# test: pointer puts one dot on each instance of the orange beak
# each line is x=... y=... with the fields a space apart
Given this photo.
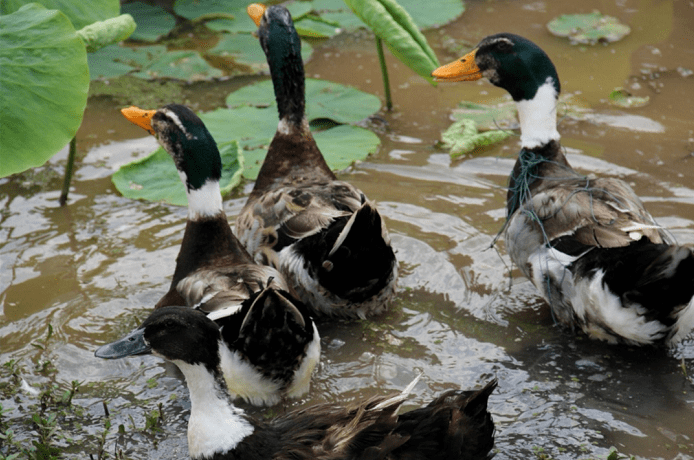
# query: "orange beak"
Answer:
x=142 y=118
x=463 y=69
x=256 y=11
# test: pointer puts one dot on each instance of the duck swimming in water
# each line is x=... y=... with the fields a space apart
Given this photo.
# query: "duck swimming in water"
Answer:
x=322 y=234
x=587 y=244
x=271 y=344
x=455 y=425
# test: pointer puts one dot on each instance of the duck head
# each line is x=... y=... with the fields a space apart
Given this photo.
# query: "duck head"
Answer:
x=524 y=70
x=185 y=138
x=177 y=334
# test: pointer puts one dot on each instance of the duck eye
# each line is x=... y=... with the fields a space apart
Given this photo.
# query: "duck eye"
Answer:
x=504 y=45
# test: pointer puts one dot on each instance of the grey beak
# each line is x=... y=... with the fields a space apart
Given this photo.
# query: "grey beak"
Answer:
x=132 y=344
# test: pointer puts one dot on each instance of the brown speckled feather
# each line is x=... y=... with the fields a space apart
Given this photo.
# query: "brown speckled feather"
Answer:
x=454 y=426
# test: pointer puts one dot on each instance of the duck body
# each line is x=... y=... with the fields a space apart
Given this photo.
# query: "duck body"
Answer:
x=322 y=234
x=271 y=344
x=588 y=244
x=456 y=425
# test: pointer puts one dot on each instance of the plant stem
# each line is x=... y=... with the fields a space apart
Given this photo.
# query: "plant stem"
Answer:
x=384 y=72
x=68 y=171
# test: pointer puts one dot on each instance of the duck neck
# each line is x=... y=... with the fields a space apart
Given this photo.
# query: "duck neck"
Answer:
x=208 y=236
x=287 y=70
x=215 y=426
x=538 y=117
x=203 y=202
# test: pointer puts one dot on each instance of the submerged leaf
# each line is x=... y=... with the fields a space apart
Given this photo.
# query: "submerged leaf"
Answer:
x=155 y=178
x=43 y=82
x=588 y=28
x=462 y=137
x=623 y=98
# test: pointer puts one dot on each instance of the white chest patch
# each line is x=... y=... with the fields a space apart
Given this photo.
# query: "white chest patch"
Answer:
x=538 y=117
x=215 y=425
x=204 y=202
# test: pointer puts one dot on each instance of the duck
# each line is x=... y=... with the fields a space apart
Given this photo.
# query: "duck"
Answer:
x=323 y=234
x=271 y=344
x=587 y=243
x=454 y=425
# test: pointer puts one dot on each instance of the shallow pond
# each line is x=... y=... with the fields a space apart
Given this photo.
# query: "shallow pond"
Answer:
x=74 y=278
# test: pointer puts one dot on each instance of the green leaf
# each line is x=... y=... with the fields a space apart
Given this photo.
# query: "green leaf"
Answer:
x=43 y=86
x=588 y=28
x=324 y=99
x=314 y=27
x=81 y=13
x=335 y=12
x=103 y=33
x=300 y=9
x=427 y=17
x=116 y=60
x=390 y=22
x=253 y=120
x=462 y=137
x=180 y=65
x=623 y=98
x=341 y=147
x=155 y=178
x=152 y=21
x=193 y=9
x=245 y=50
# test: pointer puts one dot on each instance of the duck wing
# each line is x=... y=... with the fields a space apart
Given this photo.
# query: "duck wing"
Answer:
x=213 y=289
x=289 y=213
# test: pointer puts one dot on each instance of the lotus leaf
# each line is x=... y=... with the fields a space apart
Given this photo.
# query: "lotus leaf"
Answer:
x=180 y=65
x=245 y=50
x=43 y=86
x=194 y=9
x=81 y=13
x=116 y=60
x=588 y=28
x=152 y=21
x=324 y=99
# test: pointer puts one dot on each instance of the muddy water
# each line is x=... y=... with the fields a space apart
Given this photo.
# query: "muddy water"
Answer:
x=463 y=315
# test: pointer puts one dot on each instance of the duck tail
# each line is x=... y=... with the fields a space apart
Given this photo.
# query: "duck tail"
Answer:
x=671 y=272
x=361 y=261
x=456 y=424
x=473 y=424
x=655 y=280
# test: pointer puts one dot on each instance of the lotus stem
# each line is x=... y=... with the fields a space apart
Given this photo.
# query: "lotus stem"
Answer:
x=384 y=72
x=68 y=171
